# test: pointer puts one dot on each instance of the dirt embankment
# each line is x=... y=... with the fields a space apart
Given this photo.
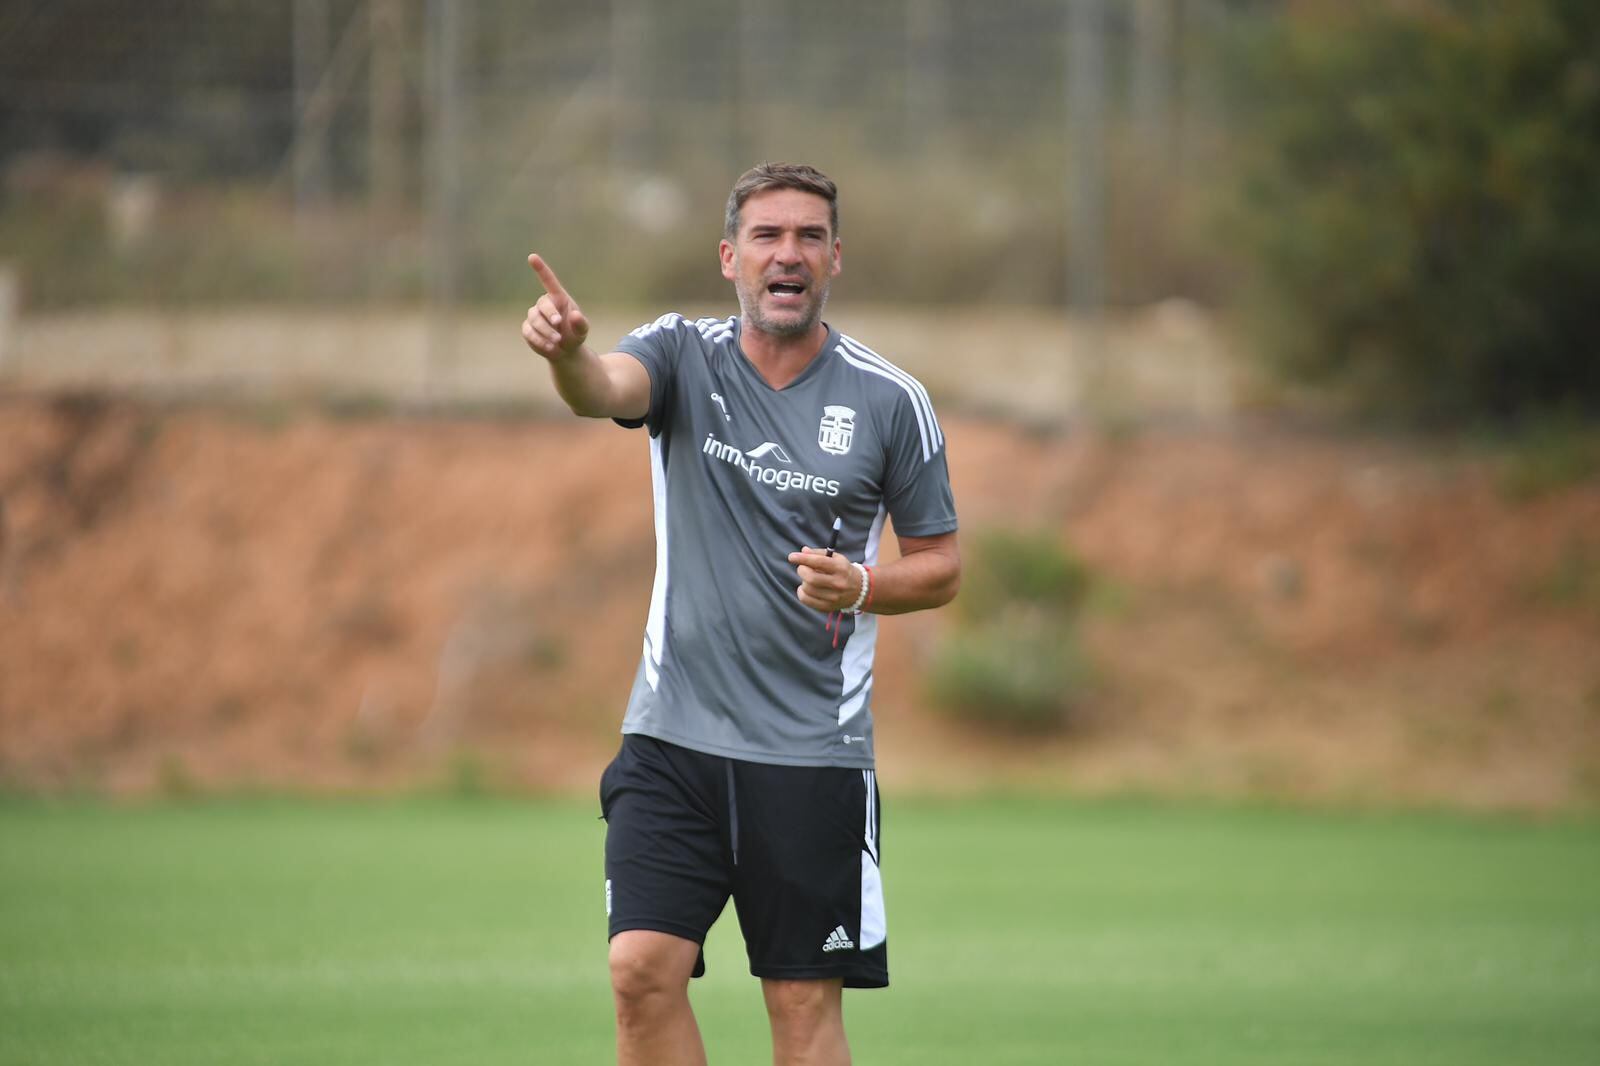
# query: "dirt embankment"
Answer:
x=224 y=597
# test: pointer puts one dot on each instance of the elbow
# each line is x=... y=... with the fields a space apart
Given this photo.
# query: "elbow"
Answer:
x=948 y=586
x=952 y=586
x=947 y=576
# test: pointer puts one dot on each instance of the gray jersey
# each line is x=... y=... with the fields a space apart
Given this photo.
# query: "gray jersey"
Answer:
x=744 y=474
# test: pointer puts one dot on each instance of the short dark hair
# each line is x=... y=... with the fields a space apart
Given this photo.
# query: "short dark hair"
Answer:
x=766 y=176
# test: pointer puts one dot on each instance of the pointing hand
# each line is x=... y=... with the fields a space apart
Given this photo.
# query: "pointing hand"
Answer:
x=555 y=326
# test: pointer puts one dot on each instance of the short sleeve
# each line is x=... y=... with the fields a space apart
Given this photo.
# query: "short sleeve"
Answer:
x=917 y=479
x=656 y=345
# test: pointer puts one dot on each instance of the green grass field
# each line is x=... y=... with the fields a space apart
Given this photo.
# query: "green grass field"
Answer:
x=442 y=931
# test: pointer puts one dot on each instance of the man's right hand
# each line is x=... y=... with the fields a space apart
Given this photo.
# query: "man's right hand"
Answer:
x=555 y=326
x=610 y=385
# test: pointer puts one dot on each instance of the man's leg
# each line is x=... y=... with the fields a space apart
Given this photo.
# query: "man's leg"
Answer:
x=807 y=1022
x=650 y=983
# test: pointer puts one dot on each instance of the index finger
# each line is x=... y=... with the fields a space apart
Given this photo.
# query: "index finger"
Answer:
x=547 y=277
x=817 y=560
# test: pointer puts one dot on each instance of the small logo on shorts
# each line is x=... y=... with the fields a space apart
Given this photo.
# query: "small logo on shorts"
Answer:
x=608 y=897
x=838 y=940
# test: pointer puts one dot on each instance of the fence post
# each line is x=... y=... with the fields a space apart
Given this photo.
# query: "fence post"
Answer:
x=311 y=44
x=444 y=187
x=9 y=290
x=386 y=89
x=1086 y=221
x=927 y=74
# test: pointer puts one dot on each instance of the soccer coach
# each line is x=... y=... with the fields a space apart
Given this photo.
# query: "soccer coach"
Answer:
x=778 y=446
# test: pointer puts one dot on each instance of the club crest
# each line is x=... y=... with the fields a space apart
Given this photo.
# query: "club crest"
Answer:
x=837 y=430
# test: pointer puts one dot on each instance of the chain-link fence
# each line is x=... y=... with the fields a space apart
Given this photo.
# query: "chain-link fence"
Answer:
x=1032 y=151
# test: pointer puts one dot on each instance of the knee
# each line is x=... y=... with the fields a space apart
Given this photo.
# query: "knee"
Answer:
x=801 y=1004
x=641 y=981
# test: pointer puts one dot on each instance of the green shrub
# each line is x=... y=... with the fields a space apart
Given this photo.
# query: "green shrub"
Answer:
x=467 y=776
x=1015 y=659
x=1009 y=566
x=174 y=779
x=1552 y=454
x=1021 y=677
x=1572 y=581
x=1419 y=203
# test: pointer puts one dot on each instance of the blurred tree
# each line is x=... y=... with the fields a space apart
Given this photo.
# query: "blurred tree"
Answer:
x=1421 y=202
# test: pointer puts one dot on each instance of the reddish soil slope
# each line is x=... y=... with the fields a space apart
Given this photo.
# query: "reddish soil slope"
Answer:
x=224 y=597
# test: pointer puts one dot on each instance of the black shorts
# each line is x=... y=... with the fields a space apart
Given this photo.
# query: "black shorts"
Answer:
x=796 y=847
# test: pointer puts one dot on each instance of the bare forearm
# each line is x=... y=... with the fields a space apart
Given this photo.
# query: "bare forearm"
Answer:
x=916 y=582
x=612 y=385
x=583 y=384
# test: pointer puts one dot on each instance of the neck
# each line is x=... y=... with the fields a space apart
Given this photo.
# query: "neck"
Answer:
x=781 y=359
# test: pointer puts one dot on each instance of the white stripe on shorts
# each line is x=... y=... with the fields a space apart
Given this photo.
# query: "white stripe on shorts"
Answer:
x=874 y=923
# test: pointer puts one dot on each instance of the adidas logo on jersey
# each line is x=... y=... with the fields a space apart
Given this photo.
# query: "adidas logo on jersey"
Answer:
x=838 y=940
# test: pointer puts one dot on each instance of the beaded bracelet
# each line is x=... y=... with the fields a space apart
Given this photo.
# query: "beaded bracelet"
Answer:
x=866 y=588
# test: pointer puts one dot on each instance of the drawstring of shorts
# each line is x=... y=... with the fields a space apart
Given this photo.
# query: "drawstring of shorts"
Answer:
x=733 y=814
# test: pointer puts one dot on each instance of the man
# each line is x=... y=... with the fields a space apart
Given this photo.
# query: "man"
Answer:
x=746 y=767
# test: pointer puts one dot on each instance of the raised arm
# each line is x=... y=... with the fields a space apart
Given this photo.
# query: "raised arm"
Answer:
x=609 y=385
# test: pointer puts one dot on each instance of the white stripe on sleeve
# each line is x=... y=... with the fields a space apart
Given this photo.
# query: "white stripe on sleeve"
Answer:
x=871 y=368
x=918 y=393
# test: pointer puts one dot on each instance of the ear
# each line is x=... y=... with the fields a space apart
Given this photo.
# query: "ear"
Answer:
x=726 y=254
x=838 y=263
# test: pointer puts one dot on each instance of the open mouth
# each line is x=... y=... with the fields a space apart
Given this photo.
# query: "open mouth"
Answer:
x=786 y=288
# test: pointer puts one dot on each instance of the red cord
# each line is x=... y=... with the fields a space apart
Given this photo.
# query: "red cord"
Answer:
x=836 y=618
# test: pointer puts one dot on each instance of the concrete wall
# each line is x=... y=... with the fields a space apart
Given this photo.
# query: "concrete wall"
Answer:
x=1161 y=361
